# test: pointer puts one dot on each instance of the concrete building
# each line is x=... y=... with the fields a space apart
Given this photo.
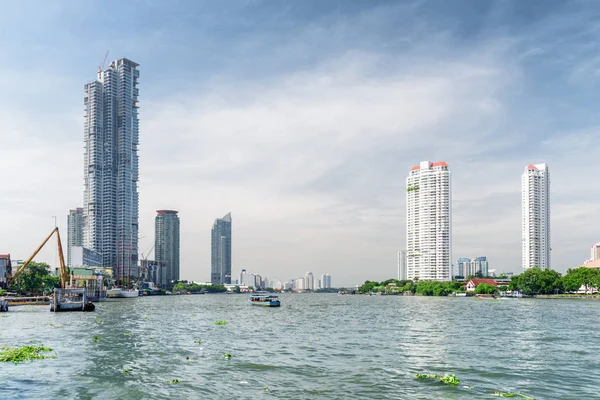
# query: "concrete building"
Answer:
x=111 y=170
x=325 y=281
x=535 y=213
x=82 y=257
x=166 y=246
x=5 y=270
x=74 y=231
x=402 y=265
x=429 y=222
x=309 y=281
x=466 y=267
x=595 y=253
x=220 y=272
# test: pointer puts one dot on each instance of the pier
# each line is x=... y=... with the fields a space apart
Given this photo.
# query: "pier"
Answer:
x=71 y=300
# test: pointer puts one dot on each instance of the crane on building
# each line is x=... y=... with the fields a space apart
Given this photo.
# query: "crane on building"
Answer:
x=101 y=66
x=64 y=276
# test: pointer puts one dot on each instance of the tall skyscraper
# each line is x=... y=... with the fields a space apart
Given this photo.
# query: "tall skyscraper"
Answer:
x=111 y=134
x=535 y=202
x=74 y=231
x=429 y=222
x=220 y=269
x=325 y=281
x=309 y=281
x=402 y=265
x=166 y=245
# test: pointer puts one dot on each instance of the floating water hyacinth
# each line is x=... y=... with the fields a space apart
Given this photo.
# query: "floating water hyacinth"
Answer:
x=126 y=371
x=227 y=356
x=198 y=341
x=512 y=394
x=96 y=338
x=99 y=320
x=221 y=322
x=446 y=379
x=25 y=353
x=174 y=381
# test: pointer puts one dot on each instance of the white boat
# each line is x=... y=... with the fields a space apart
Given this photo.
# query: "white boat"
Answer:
x=122 y=293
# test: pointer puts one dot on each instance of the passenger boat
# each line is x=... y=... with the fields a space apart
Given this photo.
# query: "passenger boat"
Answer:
x=122 y=293
x=265 y=300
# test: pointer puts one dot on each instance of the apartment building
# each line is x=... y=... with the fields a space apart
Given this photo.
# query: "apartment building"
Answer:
x=535 y=203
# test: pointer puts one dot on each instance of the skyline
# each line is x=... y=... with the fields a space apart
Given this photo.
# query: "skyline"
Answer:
x=304 y=124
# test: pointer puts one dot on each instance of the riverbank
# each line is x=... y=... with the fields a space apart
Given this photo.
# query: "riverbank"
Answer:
x=568 y=296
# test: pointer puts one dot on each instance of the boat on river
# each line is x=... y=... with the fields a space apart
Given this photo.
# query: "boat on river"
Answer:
x=122 y=293
x=265 y=300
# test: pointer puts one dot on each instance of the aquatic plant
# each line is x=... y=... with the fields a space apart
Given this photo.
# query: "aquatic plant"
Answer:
x=193 y=315
x=24 y=353
x=512 y=394
x=127 y=334
x=446 y=379
x=96 y=338
x=174 y=381
x=126 y=371
x=223 y=322
x=198 y=341
x=99 y=320
x=227 y=356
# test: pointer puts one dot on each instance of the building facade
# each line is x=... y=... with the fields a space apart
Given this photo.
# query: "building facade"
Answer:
x=402 y=265
x=309 y=281
x=466 y=267
x=429 y=222
x=111 y=169
x=74 y=231
x=325 y=281
x=5 y=270
x=595 y=253
x=166 y=246
x=220 y=272
x=535 y=212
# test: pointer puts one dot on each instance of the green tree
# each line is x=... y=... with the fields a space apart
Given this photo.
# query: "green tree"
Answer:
x=578 y=277
x=485 y=288
x=33 y=279
x=237 y=289
x=368 y=287
x=537 y=281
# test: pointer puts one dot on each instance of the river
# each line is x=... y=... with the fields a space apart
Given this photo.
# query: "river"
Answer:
x=315 y=346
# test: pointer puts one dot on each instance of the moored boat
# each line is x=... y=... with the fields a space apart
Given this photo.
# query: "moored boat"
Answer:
x=122 y=293
x=265 y=300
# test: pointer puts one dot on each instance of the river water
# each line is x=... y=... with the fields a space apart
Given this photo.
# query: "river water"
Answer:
x=315 y=346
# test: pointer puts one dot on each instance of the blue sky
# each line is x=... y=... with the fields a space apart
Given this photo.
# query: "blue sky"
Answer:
x=303 y=118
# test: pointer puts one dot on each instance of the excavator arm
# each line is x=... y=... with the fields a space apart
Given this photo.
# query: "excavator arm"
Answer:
x=64 y=276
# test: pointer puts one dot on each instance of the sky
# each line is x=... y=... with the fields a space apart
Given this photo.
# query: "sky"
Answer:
x=303 y=118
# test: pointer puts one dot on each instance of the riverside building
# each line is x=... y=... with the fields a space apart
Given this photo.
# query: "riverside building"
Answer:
x=111 y=172
x=74 y=232
x=220 y=270
x=535 y=212
x=167 y=246
x=402 y=265
x=469 y=267
x=429 y=222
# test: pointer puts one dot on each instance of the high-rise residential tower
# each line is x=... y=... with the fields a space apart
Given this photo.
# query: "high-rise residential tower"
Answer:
x=166 y=246
x=429 y=222
x=402 y=265
x=309 y=281
x=535 y=212
x=111 y=134
x=74 y=231
x=325 y=281
x=220 y=266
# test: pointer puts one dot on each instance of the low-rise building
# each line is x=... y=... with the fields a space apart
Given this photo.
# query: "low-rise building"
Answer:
x=474 y=282
x=5 y=270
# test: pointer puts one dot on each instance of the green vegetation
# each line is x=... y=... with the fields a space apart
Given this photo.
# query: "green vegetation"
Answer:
x=174 y=381
x=2 y=292
x=37 y=280
x=412 y=188
x=126 y=371
x=237 y=289
x=538 y=281
x=96 y=338
x=223 y=322
x=194 y=287
x=446 y=379
x=485 y=288
x=198 y=341
x=227 y=356
x=512 y=394
x=25 y=353
x=424 y=288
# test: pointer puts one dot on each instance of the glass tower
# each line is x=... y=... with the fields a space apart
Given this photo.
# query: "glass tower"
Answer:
x=220 y=271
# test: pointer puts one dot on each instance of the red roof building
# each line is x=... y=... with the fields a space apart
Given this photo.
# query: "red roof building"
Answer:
x=474 y=282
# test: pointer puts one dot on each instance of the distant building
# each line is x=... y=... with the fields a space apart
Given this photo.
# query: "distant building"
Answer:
x=5 y=270
x=220 y=272
x=535 y=214
x=299 y=284
x=595 y=252
x=309 y=281
x=167 y=246
x=151 y=271
x=325 y=281
x=429 y=222
x=470 y=267
x=82 y=257
x=74 y=231
x=402 y=265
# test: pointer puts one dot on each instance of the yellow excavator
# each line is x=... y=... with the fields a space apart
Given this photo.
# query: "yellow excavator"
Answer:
x=64 y=276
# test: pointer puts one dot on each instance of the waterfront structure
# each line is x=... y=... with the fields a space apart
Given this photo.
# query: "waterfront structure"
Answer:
x=166 y=246
x=474 y=282
x=429 y=222
x=470 y=267
x=220 y=272
x=402 y=265
x=5 y=270
x=309 y=281
x=111 y=168
x=535 y=213
x=74 y=231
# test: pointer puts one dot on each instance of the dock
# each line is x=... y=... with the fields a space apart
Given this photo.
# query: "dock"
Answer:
x=71 y=300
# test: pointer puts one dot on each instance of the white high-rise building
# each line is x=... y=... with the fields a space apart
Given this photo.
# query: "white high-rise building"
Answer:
x=111 y=169
x=535 y=201
x=309 y=281
x=429 y=222
x=402 y=265
x=325 y=281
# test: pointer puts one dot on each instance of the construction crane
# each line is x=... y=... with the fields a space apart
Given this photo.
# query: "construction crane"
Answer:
x=64 y=276
x=101 y=67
